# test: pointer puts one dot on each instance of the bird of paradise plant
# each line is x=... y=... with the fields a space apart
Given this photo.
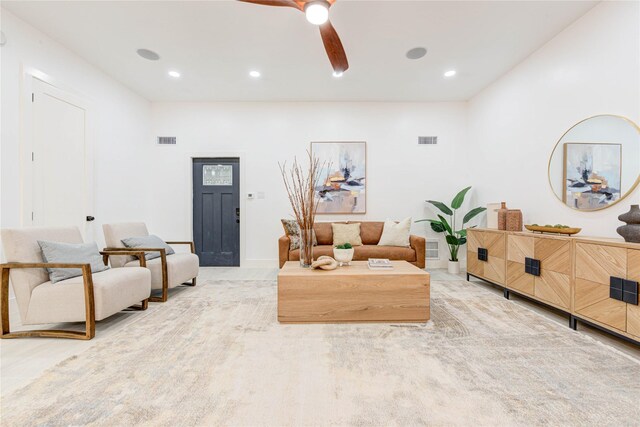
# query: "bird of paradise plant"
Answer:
x=455 y=238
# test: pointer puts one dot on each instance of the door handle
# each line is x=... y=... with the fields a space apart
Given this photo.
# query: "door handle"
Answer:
x=90 y=218
x=237 y=215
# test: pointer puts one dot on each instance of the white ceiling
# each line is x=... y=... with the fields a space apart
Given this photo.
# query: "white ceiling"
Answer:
x=214 y=44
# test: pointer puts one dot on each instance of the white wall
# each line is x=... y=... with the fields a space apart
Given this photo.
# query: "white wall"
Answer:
x=400 y=174
x=591 y=68
x=118 y=123
x=499 y=142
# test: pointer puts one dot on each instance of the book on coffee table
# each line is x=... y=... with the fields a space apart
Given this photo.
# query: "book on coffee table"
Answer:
x=379 y=264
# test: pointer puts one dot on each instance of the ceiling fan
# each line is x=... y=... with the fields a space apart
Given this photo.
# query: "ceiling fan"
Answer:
x=317 y=12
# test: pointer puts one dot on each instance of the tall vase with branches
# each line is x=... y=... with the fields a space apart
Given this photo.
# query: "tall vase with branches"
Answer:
x=300 y=182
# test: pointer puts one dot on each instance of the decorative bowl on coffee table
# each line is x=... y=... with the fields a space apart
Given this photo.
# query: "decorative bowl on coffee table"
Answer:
x=343 y=256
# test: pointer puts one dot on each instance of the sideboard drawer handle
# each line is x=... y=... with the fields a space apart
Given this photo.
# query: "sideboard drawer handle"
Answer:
x=532 y=266
x=615 y=288
x=483 y=254
x=630 y=292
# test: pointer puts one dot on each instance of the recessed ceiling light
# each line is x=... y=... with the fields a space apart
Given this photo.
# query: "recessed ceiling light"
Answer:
x=416 y=53
x=174 y=74
x=450 y=73
x=317 y=12
x=255 y=74
x=148 y=54
x=338 y=73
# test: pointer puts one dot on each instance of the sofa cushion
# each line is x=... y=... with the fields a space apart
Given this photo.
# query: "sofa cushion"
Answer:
x=346 y=233
x=371 y=231
x=363 y=253
x=113 y=290
x=396 y=233
x=292 y=231
x=181 y=268
x=324 y=233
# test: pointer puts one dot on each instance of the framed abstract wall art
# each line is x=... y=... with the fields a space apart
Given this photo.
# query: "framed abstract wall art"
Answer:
x=344 y=178
x=592 y=174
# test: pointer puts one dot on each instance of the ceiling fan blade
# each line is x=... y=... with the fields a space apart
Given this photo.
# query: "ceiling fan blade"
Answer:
x=281 y=3
x=334 y=48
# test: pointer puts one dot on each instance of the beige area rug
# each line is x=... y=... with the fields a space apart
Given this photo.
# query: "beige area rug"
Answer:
x=215 y=355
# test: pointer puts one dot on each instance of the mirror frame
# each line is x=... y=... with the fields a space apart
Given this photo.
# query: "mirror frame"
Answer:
x=555 y=147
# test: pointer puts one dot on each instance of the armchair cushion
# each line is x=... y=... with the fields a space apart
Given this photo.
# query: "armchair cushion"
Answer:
x=113 y=290
x=79 y=253
x=181 y=268
x=113 y=235
x=151 y=241
x=21 y=245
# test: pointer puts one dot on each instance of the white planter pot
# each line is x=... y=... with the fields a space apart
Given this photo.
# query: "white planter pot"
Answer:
x=343 y=256
x=454 y=267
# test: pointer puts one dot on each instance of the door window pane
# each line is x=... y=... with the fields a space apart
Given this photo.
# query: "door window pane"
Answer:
x=217 y=175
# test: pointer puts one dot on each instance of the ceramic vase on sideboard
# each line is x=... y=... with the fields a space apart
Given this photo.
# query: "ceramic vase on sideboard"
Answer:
x=502 y=216
x=631 y=231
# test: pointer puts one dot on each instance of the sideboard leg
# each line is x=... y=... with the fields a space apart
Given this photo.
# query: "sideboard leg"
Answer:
x=467 y=277
x=506 y=293
x=573 y=323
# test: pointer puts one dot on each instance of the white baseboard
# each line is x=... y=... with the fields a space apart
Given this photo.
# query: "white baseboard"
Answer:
x=444 y=263
x=259 y=263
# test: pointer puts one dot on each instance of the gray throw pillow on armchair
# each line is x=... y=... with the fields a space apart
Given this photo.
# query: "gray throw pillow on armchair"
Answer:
x=71 y=253
x=151 y=241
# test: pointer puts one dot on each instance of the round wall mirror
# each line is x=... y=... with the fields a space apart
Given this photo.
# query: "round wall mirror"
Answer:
x=596 y=163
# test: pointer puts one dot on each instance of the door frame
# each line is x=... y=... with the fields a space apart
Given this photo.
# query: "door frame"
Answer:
x=26 y=143
x=241 y=156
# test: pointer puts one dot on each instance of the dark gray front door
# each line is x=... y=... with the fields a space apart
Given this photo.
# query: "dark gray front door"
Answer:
x=216 y=211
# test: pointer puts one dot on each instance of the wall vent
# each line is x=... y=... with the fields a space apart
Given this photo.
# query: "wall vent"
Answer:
x=432 y=249
x=167 y=140
x=427 y=140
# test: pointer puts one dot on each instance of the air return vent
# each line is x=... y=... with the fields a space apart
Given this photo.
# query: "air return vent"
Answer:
x=432 y=249
x=167 y=140
x=427 y=140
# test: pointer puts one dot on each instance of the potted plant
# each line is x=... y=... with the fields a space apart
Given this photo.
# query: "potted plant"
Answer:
x=343 y=253
x=454 y=237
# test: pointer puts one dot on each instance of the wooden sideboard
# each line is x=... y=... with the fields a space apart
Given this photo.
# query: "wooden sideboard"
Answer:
x=592 y=280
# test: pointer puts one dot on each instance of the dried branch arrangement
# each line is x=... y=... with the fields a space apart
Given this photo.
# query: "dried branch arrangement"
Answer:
x=300 y=183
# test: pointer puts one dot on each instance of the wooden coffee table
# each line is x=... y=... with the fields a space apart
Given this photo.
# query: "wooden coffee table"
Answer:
x=353 y=294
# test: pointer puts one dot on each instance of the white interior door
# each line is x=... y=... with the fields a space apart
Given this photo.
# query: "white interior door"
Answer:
x=61 y=192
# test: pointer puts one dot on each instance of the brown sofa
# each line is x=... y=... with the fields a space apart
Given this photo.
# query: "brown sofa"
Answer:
x=370 y=232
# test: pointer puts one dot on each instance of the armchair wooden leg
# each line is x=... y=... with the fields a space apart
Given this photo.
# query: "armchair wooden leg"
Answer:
x=144 y=304
x=162 y=298
x=90 y=323
x=193 y=282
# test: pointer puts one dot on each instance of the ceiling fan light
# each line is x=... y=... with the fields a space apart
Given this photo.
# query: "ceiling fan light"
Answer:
x=317 y=12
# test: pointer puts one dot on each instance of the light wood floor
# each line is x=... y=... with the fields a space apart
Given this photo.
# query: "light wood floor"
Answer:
x=23 y=360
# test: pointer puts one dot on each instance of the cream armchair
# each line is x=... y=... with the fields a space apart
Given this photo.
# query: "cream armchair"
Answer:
x=167 y=271
x=79 y=299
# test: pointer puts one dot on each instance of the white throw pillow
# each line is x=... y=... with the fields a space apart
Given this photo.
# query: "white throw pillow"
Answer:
x=396 y=233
